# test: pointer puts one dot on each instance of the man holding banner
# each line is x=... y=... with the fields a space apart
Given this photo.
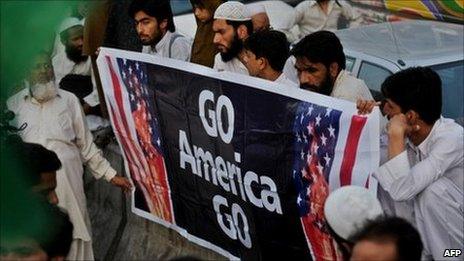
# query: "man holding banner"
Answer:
x=320 y=63
x=241 y=168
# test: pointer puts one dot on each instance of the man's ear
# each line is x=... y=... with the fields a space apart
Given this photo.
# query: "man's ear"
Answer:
x=242 y=32
x=333 y=70
x=412 y=117
x=163 y=25
x=264 y=62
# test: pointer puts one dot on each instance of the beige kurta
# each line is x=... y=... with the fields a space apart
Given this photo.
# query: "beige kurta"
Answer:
x=59 y=126
x=234 y=65
x=310 y=18
x=350 y=88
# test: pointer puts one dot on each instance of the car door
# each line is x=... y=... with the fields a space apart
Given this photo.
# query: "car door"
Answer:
x=372 y=70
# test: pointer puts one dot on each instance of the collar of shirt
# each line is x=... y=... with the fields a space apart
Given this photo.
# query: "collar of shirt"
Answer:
x=424 y=144
x=422 y=147
x=314 y=4
x=281 y=78
x=340 y=77
x=163 y=42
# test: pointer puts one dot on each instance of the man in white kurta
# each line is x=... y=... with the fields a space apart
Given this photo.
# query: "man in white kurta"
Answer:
x=430 y=176
x=71 y=61
x=232 y=25
x=425 y=167
x=55 y=120
x=316 y=15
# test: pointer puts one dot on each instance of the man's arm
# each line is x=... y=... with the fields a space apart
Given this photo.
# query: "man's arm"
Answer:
x=90 y=153
x=351 y=14
x=404 y=182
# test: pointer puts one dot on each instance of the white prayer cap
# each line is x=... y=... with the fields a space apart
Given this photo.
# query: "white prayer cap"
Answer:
x=232 y=11
x=68 y=23
x=256 y=9
x=349 y=207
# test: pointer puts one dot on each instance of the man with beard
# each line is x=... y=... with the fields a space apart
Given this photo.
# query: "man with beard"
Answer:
x=155 y=26
x=55 y=120
x=232 y=25
x=320 y=63
x=73 y=72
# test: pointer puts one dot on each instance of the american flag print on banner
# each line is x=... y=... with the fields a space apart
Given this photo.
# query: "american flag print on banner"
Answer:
x=144 y=150
x=317 y=131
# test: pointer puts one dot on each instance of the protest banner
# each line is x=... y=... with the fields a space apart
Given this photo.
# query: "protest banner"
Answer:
x=234 y=163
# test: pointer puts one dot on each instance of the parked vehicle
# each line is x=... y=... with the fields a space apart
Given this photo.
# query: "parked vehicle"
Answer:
x=376 y=51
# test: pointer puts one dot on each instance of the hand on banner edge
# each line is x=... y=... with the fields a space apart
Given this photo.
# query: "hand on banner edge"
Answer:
x=366 y=106
x=122 y=182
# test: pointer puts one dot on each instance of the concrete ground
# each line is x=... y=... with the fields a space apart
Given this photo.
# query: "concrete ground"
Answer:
x=118 y=234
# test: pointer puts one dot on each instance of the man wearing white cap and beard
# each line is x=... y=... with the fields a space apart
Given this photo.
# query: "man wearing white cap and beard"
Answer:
x=73 y=72
x=55 y=120
x=346 y=209
x=232 y=25
x=259 y=17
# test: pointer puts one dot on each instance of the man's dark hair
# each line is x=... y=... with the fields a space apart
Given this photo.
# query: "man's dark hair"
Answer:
x=392 y=229
x=417 y=89
x=38 y=159
x=248 y=24
x=272 y=45
x=160 y=9
x=321 y=47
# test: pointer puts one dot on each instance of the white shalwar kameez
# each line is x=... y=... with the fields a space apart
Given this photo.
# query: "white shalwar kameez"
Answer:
x=59 y=125
x=430 y=177
x=234 y=65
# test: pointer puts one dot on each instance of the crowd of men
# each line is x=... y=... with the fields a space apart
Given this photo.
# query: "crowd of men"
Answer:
x=418 y=212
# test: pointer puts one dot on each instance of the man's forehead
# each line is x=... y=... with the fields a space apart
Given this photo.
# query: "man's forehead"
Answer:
x=219 y=24
x=77 y=30
x=304 y=62
x=140 y=15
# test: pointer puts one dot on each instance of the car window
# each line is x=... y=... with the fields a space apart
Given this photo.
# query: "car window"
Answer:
x=452 y=77
x=181 y=7
x=349 y=63
x=373 y=75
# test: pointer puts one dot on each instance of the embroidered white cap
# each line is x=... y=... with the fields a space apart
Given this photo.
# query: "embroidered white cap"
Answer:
x=68 y=23
x=348 y=208
x=232 y=11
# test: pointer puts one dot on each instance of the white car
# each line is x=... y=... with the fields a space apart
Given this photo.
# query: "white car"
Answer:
x=376 y=51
